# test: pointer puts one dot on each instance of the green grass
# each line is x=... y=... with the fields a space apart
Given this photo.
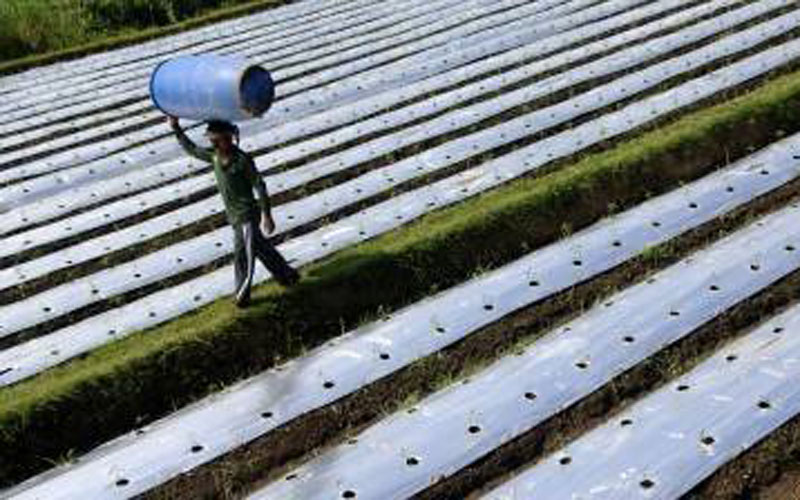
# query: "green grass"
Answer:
x=148 y=374
x=38 y=32
x=28 y=27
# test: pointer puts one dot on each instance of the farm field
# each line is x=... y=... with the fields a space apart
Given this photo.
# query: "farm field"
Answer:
x=549 y=250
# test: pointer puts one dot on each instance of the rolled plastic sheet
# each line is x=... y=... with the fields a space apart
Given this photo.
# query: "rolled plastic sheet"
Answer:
x=211 y=87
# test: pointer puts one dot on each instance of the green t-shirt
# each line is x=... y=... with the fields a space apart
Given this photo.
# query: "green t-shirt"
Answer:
x=235 y=180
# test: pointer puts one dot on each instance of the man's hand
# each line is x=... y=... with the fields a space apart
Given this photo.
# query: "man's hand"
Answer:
x=267 y=224
x=173 y=121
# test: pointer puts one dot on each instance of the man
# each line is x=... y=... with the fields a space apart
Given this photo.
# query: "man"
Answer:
x=236 y=176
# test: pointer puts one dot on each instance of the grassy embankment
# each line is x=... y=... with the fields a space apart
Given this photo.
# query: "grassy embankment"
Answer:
x=147 y=375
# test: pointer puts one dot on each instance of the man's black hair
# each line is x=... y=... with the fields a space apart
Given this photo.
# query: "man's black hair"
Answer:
x=221 y=127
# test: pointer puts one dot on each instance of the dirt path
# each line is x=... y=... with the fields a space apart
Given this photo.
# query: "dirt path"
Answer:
x=787 y=487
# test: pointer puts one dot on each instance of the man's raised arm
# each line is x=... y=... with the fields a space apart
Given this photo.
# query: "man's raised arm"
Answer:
x=190 y=147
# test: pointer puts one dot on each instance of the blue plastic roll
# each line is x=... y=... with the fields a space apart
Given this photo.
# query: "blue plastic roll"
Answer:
x=211 y=87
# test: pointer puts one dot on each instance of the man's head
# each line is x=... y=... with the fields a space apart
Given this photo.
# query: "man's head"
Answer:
x=220 y=135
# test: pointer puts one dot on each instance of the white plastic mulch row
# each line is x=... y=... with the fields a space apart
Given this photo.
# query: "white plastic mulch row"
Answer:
x=456 y=426
x=342 y=18
x=292 y=56
x=252 y=408
x=198 y=251
x=48 y=75
x=167 y=304
x=480 y=19
x=97 y=247
x=283 y=19
x=383 y=75
x=59 y=161
x=283 y=51
x=674 y=438
x=85 y=190
x=151 y=153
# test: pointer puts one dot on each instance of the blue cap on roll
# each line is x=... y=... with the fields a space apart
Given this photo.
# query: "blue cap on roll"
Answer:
x=258 y=90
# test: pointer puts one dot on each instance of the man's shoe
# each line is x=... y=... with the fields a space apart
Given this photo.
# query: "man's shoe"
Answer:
x=243 y=304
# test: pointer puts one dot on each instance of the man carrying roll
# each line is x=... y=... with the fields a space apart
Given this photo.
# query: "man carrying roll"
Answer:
x=236 y=177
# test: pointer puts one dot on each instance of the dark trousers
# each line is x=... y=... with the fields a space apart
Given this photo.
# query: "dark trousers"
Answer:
x=249 y=243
